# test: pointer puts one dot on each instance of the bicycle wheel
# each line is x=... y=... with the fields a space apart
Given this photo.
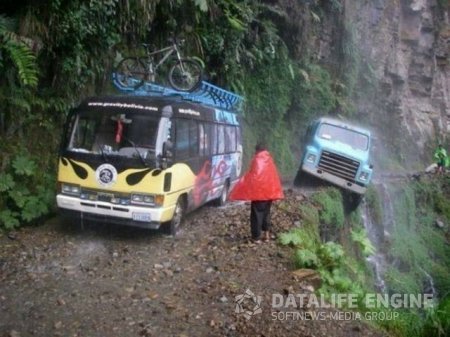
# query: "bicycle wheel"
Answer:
x=185 y=75
x=131 y=72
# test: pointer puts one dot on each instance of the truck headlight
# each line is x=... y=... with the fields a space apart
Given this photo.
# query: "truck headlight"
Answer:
x=70 y=189
x=364 y=176
x=311 y=158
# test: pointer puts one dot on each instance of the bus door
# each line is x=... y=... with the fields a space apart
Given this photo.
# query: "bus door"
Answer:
x=186 y=150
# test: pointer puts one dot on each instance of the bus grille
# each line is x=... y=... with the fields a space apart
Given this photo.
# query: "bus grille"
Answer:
x=339 y=166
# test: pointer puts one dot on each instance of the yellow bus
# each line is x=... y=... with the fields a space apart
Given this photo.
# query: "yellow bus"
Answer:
x=146 y=160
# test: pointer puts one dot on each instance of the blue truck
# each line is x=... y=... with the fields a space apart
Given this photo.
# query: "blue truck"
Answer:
x=339 y=153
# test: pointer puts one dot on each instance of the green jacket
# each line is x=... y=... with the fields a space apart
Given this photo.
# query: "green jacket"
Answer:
x=441 y=154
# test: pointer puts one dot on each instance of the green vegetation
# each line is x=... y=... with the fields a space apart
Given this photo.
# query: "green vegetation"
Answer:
x=55 y=54
x=418 y=245
x=27 y=198
x=417 y=249
x=337 y=265
x=331 y=211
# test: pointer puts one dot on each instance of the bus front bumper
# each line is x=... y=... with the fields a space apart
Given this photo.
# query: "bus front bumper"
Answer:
x=129 y=215
x=347 y=185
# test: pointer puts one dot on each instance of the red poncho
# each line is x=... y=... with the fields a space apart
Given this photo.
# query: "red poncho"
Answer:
x=261 y=182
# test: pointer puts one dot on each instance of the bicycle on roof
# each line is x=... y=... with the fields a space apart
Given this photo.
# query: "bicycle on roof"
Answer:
x=184 y=74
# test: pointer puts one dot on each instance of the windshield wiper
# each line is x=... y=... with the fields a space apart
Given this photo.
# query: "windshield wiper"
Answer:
x=137 y=151
x=104 y=156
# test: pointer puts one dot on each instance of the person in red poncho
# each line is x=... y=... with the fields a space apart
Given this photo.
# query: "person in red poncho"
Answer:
x=261 y=184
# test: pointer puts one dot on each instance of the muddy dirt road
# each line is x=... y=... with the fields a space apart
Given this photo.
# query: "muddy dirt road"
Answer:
x=60 y=280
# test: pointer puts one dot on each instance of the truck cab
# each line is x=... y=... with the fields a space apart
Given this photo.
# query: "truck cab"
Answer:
x=339 y=153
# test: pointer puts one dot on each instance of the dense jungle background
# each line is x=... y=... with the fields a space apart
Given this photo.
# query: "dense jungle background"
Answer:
x=383 y=64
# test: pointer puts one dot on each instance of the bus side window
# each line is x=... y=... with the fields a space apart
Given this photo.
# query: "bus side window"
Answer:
x=214 y=138
x=221 y=139
x=230 y=139
x=182 y=138
x=204 y=140
x=193 y=139
x=238 y=136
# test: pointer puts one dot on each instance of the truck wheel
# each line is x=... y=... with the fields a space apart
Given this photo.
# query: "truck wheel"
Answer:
x=352 y=200
x=174 y=225
x=300 y=179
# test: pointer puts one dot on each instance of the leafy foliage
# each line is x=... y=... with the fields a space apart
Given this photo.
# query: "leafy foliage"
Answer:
x=331 y=211
x=67 y=48
x=15 y=51
x=294 y=238
x=328 y=258
x=54 y=55
x=360 y=237
x=26 y=201
x=420 y=251
x=437 y=320
x=335 y=266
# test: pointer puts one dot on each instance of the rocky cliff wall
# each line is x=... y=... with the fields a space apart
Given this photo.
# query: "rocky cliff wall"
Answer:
x=402 y=46
x=407 y=44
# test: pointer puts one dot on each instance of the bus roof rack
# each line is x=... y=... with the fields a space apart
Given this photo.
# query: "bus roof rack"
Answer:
x=206 y=93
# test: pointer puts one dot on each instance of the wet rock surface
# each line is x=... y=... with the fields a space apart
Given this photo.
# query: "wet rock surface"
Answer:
x=60 y=279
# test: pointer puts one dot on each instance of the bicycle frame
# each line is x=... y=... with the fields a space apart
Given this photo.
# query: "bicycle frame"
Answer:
x=167 y=52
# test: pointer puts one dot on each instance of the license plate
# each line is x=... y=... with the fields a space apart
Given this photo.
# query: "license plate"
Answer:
x=144 y=217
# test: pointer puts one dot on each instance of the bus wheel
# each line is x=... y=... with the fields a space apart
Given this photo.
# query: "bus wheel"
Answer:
x=222 y=200
x=178 y=215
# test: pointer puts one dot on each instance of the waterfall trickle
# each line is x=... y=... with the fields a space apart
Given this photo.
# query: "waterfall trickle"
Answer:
x=381 y=227
x=378 y=259
x=429 y=288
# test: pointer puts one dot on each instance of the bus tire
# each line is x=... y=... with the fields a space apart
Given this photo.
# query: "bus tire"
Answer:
x=222 y=200
x=174 y=225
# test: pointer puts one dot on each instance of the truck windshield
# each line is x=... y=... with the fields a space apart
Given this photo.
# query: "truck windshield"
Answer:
x=128 y=135
x=353 y=138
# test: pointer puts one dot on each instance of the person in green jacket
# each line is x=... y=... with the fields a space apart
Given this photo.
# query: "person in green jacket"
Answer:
x=441 y=158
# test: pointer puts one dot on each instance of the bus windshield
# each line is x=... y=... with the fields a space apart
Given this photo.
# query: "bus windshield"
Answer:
x=353 y=138
x=110 y=133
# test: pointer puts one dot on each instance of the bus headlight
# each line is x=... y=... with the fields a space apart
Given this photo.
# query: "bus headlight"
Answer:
x=147 y=199
x=311 y=158
x=70 y=189
x=364 y=176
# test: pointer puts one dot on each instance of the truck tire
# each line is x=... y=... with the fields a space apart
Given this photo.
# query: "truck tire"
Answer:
x=300 y=178
x=351 y=200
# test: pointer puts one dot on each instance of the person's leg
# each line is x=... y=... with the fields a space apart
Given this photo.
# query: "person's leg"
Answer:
x=440 y=167
x=266 y=224
x=255 y=220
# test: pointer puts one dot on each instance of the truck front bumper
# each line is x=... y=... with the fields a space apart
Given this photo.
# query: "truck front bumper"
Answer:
x=347 y=185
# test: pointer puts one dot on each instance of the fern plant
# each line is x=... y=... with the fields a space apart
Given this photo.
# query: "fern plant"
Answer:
x=13 y=49
x=359 y=236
